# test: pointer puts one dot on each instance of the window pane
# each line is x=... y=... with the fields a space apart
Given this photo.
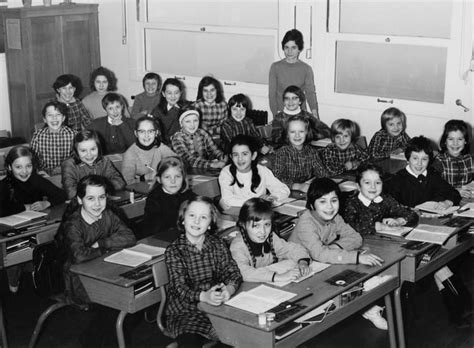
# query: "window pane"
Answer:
x=215 y=12
x=391 y=71
x=401 y=18
x=247 y=57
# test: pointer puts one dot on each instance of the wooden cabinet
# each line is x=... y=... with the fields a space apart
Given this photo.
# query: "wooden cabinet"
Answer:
x=42 y=43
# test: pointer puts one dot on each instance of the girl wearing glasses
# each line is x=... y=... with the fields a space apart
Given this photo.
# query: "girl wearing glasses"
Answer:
x=142 y=158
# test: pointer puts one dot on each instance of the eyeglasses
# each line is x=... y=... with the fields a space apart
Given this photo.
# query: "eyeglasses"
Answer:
x=144 y=131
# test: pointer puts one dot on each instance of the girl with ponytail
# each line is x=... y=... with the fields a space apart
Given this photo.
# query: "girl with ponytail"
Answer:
x=244 y=178
x=258 y=246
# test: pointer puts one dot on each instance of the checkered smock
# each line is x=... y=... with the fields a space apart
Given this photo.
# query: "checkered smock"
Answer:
x=212 y=116
x=78 y=117
x=191 y=271
x=52 y=148
x=293 y=166
x=382 y=144
x=457 y=171
x=334 y=158
x=231 y=128
x=198 y=149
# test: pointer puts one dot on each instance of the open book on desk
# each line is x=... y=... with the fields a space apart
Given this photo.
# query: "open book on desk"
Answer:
x=398 y=231
x=431 y=207
x=259 y=299
x=136 y=255
x=22 y=218
x=286 y=265
x=292 y=208
x=431 y=233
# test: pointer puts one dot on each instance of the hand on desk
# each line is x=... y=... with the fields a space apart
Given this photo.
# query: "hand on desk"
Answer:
x=443 y=204
x=304 y=268
x=218 y=164
x=38 y=205
x=216 y=295
x=466 y=192
x=394 y=222
x=290 y=275
x=370 y=260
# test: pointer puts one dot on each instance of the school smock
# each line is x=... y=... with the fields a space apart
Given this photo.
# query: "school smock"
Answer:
x=212 y=116
x=335 y=159
x=230 y=128
x=168 y=121
x=382 y=144
x=78 y=236
x=73 y=171
x=14 y=194
x=291 y=165
x=327 y=241
x=363 y=218
x=260 y=273
x=458 y=170
x=191 y=271
x=143 y=104
x=114 y=138
x=235 y=196
x=411 y=191
x=137 y=162
x=161 y=213
x=77 y=117
x=283 y=74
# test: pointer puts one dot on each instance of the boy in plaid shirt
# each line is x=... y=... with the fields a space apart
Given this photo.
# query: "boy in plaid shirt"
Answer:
x=343 y=154
x=392 y=138
x=194 y=145
x=52 y=144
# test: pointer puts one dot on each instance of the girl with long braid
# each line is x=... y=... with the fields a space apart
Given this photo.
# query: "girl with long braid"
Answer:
x=244 y=178
x=257 y=246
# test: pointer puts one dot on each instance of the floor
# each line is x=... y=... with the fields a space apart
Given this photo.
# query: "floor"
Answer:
x=69 y=327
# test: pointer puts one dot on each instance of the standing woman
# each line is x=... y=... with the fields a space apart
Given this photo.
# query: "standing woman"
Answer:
x=143 y=157
x=102 y=81
x=24 y=189
x=291 y=71
x=68 y=88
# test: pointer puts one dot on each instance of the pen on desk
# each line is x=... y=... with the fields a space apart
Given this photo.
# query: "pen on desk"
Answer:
x=462 y=210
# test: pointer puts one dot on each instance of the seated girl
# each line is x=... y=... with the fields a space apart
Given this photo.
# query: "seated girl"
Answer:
x=68 y=88
x=211 y=103
x=293 y=99
x=258 y=246
x=24 y=189
x=169 y=108
x=142 y=158
x=373 y=211
x=200 y=268
x=343 y=154
x=52 y=144
x=145 y=102
x=392 y=138
x=244 y=178
x=298 y=161
x=115 y=130
x=455 y=162
x=164 y=200
x=89 y=230
x=238 y=123
x=323 y=232
x=87 y=159
x=194 y=145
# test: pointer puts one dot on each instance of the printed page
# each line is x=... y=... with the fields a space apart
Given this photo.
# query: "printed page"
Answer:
x=466 y=210
x=430 y=206
x=271 y=294
x=22 y=217
x=250 y=303
x=128 y=258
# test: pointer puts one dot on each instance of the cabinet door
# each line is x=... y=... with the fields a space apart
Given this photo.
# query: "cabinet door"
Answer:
x=80 y=46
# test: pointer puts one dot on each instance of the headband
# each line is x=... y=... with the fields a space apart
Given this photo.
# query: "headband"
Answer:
x=187 y=113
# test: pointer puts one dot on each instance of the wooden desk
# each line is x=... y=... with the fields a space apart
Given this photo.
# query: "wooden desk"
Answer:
x=105 y=286
x=411 y=271
x=240 y=328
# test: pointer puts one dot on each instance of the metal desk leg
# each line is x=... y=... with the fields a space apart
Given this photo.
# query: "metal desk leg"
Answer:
x=399 y=316
x=119 y=328
x=3 y=332
x=391 y=323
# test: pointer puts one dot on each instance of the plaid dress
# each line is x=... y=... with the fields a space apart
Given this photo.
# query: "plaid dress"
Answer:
x=293 y=166
x=334 y=158
x=191 y=271
x=212 y=116
x=382 y=144
x=78 y=117
x=231 y=128
x=198 y=149
x=52 y=148
x=457 y=171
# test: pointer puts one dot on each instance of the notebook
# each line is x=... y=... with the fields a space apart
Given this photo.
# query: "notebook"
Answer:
x=259 y=299
x=431 y=233
x=431 y=207
x=136 y=255
x=286 y=265
x=22 y=218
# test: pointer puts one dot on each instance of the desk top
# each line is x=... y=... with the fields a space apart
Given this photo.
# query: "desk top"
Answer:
x=322 y=291
x=110 y=272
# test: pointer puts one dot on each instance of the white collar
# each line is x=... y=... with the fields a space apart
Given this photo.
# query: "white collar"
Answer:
x=365 y=201
x=169 y=107
x=411 y=172
x=289 y=112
